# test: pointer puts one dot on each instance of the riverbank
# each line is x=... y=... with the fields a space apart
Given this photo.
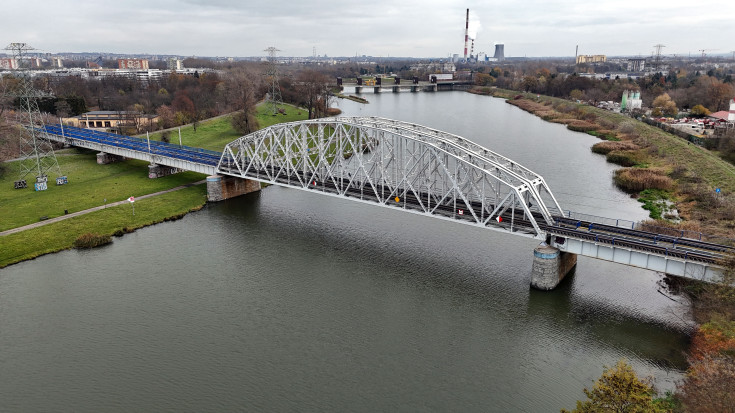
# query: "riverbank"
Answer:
x=684 y=175
x=699 y=184
x=92 y=186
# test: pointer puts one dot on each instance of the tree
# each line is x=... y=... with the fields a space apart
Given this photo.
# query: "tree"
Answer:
x=700 y=111
x=664 y=105
x=709 y=386
x=619 y=390
x=314 y=89
x=244 y=122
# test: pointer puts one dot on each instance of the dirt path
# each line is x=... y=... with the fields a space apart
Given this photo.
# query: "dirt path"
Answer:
x=97 y=208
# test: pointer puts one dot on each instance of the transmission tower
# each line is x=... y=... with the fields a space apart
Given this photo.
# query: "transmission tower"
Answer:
x=274 y=97
x=36 y=153
x=657 y=62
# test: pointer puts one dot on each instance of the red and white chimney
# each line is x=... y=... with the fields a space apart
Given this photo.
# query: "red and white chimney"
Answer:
x=466 y=33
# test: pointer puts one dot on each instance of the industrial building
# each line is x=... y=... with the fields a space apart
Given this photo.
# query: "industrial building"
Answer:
x=111 y=121
x=631 y=100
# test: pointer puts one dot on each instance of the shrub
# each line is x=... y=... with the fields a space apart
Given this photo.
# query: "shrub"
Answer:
x=638 y=179
x=606 y=124
x=709 y=385
x=606 y=147
x=627 y=128
x=90 y=240
x=625 y=157
x=620 y=390
x=582 y=126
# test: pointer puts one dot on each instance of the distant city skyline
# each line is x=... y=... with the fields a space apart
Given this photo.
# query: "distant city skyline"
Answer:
x=430 y=28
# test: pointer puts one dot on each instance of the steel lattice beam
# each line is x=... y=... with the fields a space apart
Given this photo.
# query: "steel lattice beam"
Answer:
x=396 y=164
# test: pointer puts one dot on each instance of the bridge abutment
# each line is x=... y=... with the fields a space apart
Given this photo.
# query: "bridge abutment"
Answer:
x=103 y=158
x=550 y=266
x=221 y=187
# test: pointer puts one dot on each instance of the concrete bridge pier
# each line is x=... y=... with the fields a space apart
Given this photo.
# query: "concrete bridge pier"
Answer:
x=103 y=158
x=159 y=171
x=550 y=266
x=221 y=187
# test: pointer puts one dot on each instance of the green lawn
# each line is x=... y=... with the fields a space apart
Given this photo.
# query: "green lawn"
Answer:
x=89 y=185
x=214 y=134
x=61 y=235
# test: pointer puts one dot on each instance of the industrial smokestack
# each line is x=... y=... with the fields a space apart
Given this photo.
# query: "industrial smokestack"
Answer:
x=466 y=33
x=472 y=48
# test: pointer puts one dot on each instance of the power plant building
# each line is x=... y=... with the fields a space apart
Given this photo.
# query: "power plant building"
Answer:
x=499 y=52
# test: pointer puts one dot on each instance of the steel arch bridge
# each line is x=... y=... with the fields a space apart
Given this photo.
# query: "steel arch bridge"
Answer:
x=398 y=165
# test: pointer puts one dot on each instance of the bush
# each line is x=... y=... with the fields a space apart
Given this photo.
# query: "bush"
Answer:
x=638 y=179
x=627 y=128
x=620 y=390
x=90 y=240
x=710 y=385
x=609 y=146
x=582 y=126
x=625 y=157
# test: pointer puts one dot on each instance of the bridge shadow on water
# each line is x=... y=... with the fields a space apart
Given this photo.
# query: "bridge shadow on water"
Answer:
x=595 y=316
x=397 y=250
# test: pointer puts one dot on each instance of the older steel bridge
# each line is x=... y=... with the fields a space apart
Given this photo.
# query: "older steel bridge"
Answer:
x=421 y=170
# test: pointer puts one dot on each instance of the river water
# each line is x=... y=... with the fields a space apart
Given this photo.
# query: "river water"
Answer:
x=292 y=301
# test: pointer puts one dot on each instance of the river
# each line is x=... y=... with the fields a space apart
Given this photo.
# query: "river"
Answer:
x=291 y=301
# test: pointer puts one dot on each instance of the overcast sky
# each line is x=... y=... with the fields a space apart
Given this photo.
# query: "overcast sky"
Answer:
x=380 y=28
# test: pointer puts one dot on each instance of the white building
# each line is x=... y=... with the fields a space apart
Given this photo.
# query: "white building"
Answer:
x=631 y=100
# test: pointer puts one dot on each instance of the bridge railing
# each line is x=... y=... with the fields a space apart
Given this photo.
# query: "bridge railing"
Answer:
x=621 y=223
x=644 y=226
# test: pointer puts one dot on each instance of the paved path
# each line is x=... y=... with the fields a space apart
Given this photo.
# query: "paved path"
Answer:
x=97 y=208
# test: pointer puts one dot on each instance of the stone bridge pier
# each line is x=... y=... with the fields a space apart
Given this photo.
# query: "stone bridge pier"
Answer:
x=550 y=266
x=104 y=158
x=221 y=187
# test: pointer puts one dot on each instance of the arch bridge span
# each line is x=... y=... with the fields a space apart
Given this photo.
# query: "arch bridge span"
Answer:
x=399 y=165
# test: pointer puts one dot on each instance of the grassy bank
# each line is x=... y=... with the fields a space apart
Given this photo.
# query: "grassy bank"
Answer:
x=91 y=185
x=120 y=219
x=214 y=134
x=655 y=159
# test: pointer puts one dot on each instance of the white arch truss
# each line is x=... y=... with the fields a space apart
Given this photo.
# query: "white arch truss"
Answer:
x=399 y=165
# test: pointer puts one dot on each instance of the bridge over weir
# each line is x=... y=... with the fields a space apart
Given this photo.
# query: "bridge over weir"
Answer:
x=419 y=170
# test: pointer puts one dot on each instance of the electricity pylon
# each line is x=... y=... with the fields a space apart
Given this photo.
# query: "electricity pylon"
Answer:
x=36 y=153
x=274 y=96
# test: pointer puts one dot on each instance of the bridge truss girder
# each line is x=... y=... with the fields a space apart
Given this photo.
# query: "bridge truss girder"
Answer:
x=400 y=165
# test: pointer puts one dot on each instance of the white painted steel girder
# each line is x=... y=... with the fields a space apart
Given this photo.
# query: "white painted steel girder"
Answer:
x=396 y=164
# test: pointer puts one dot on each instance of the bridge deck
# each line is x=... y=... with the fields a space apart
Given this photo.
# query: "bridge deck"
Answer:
x=178 y=156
